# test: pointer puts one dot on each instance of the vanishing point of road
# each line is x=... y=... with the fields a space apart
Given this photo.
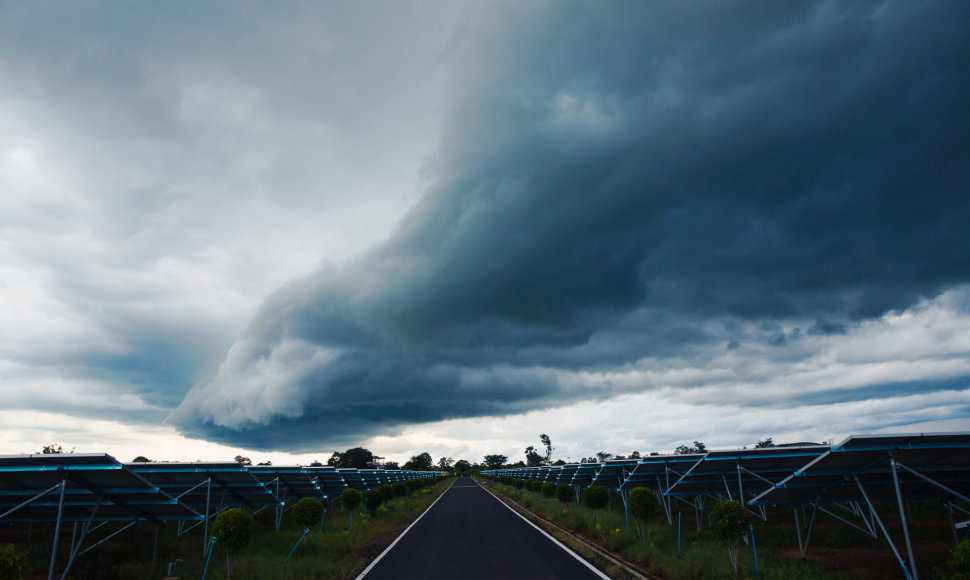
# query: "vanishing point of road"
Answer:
x=469 y=533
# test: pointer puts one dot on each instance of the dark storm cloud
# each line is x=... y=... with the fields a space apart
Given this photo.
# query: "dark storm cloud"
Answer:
x=608 y=182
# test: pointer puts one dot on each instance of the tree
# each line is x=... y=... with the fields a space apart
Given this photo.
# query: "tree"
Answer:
x=547 y=443
x=445 y=463
x=595 y=497
x=642 y=504
x=548 y=489
x=373 y=499
x=316 y=464
x=392 y=466
x=602 y=456
x=532 y=457
x=766 y=442
x=495 y=461
x=265 y=463
x=697 y=448
x=729 y=523
x=351 y=498
x=308 y=512
x=243 y=460
x=422 y=462
x=387 y=490
x=141 y=459
x=233 y=530
x=635 y=455
x=564 y=493
x=52 y=449
x=334 y=459
x=357 y=457
x=462 y=465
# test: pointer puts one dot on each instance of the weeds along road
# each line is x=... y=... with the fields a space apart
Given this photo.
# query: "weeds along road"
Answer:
x=468 y=533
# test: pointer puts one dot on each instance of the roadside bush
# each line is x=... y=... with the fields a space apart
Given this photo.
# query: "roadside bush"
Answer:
x=595 y=498
x=564 y=493
x=957 y=565
x=350 y=498
x=643 y=506
x=374 y=498
x=233 y=530
x=308 y=512
x=387 y=491
x=400 y=488
x=729 y=523
x=518 y=483
x=548 y=489
x=13 y=563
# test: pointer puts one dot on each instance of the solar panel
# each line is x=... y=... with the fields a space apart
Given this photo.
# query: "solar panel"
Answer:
x=90 y=481
x=584 y=474
x=612 y=473
x=287 y=482
x=873 y=468
x=743 y=471
x=226 y=484
x=941 y=458
x=659 y=472
x=566 y=473
x=329 y=479
x=353 y=478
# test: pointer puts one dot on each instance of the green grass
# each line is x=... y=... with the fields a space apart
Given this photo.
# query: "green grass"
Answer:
x=340 y=553
x=701 y=557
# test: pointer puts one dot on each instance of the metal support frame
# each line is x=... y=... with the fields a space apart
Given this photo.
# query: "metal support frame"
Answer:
x=902 y=518
x=809 y=520
x=57 y=530
x=626 y=510
x=882 y=526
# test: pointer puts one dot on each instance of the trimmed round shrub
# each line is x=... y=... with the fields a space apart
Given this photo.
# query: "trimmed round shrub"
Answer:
x=595 y=497
x=374 y=499
x=351 y=498
x=643 y=504
x=564 y=492
x=233 y=529
x=548 y=489
x=387 y=491
x=728 y=521
x=400 y=488
x=308 y=512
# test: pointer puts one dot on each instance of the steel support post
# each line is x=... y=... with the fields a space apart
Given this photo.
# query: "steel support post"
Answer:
x=885 y=533
x=902 y=518
x=57 y=530
x=205 y=535
x=76 y=547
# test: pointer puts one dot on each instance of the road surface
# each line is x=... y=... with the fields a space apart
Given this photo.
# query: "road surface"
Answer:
x=468 y=533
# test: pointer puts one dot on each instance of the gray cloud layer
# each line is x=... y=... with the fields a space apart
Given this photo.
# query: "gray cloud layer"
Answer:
x=610 y=183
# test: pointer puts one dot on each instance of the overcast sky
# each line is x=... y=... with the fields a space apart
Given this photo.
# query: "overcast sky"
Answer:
x=238 y=228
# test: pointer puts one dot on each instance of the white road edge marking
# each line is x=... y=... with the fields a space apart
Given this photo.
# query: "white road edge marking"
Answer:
x=568 y=550
x=397 y=539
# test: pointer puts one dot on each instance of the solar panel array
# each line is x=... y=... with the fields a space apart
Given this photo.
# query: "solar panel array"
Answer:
x=94 y=489
x=849 y=477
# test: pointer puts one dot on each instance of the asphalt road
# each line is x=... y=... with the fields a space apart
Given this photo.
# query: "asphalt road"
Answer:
x=470 y=534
